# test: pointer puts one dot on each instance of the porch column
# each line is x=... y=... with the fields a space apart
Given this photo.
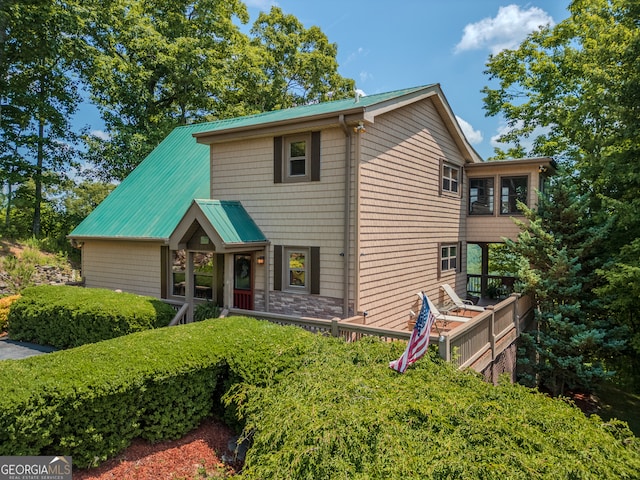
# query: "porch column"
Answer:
x=267 y=263
x=484 y=278
x=189 y=285
x=227 y=290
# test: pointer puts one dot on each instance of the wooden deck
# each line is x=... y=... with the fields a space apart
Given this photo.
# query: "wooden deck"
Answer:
x=472 y=344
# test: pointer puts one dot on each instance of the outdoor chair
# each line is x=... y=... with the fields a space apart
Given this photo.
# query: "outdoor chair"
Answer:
x=461 y=304
x=445 y=318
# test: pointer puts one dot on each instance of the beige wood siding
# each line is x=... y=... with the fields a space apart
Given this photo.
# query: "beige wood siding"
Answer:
x=301 y=214
x=129 y=266
x=494 y=228
x=403 y=216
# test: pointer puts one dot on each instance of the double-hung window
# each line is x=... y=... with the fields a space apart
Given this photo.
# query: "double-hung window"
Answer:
x=297 y=158
x=296 y=269
x=448 y=257
x=450 y=178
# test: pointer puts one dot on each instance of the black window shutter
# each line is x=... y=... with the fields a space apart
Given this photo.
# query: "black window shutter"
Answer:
x=277 y=160
x=277 y=267
x=315 y=156
x=315 y=270
x=439 y=256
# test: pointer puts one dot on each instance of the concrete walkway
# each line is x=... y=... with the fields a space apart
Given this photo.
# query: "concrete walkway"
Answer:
x=13 y=350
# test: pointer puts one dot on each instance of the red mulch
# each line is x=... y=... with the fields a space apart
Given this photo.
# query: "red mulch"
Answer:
x=197 y=455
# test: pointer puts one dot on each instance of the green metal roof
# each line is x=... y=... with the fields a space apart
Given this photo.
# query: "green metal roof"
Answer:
x=332 y=107
x=150 y=202
x=231 y=221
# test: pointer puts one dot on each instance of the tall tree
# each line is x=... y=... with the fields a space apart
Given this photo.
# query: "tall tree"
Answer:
x=559 y=246
x=38 y=93
x=153 y=65
x=579 y=83
x=157 y=64
x=299 y=64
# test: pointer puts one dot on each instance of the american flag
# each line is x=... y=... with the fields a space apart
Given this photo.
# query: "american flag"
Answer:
x=419 y=340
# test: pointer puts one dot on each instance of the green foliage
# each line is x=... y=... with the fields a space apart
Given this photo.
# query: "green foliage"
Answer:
x=205 y=311
x=559 y=247
x=152 y=66
x=91 y=401
x=312 y=407
x=42 y=96
x=345 y=414
x=65 y=316
x=298 y=64
x=17 y=273
x=573 y=88
x=620 y=294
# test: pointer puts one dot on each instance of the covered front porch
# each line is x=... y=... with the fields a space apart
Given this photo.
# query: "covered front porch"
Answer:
x=217 y=251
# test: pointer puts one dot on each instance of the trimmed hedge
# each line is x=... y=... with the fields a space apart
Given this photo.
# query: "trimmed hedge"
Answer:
x=346 y=414
x=313 y=407
x=90 y=402
x=66 y=316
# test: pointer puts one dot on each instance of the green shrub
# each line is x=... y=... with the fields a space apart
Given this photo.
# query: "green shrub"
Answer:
x=18 y=273
x=313 y=408
x=90 y=402
x=205 y=311
x=65 y=316
x=345 y=414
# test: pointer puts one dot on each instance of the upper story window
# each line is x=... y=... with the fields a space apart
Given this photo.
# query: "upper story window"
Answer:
x=481 y=196
x=296 y=158
x=450 y=178
x=512 y=190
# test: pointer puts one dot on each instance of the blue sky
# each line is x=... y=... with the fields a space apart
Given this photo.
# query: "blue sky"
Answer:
x=386 y=46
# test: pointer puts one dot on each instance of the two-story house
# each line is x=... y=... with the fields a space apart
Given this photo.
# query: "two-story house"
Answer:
x=326 y=210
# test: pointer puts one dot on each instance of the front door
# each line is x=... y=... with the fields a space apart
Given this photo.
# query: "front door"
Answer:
x=242 y=282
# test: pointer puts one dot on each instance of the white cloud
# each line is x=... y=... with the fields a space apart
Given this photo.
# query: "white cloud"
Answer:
x=354 y=55
x=364 y=76
x=100 y=134
x=506 y=30
x=474 y=136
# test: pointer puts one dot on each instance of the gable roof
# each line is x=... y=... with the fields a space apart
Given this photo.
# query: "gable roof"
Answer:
x=350 y=110
x=345 y=105
x=150 y=202
x=225 y=222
